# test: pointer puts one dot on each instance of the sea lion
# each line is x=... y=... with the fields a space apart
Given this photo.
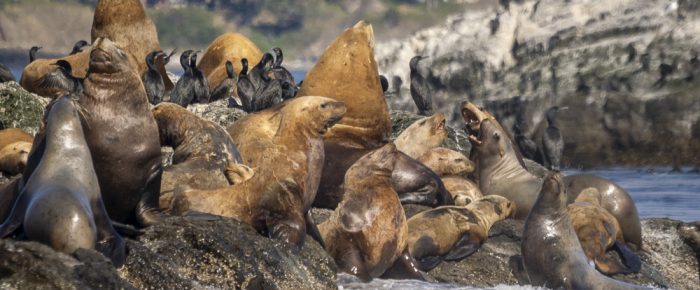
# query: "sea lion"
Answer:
x=15 y=145
x=552 y=254
x=368 y=232
x=598 y=231
x=8 y=195
x=61 y=81
x=227 y=47
x=424 y=134
x=31 y=79
x=415 y=183
x=122 y=135
x=462 y=190
x=501 y=171
x=60 y=204
x=347 y=72
x=452 y=233
x=277 y=199
x=444 y=162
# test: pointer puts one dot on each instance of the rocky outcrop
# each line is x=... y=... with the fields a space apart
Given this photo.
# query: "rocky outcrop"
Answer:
x=179 y=253
x=20 y=109
x=627 y=69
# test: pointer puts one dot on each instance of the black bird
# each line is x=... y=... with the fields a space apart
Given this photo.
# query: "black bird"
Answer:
x=552 y=142
x=166 y=58
x=78 y=47
x=201 y=85
x=257 y=71
x=289 y=89
x=32 y=53
x=384 y=82
x=183 y=92
x=396 y=83
x=421 y=92
x=225 y=88
x=6 y=74
x=528 y=148
x=62 y=78
x=152 y=80
x=246 y=89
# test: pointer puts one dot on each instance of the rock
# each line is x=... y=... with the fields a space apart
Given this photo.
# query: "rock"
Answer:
x=604 y=61
x=217 y=112
x=667 y=261
x=20 y=109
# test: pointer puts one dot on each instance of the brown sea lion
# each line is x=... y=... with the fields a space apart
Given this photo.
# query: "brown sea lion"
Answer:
x=452 y=233
x=15 y=145
x=421 y=136
x=122 y=135
x=444 y=162
x=277 y=199
x=12 y=135
x=598 y=231
x=552 y=254
x=227 y=47
x=463 y=190
x=60 y=204
x=501 y=171
x=33 y=72
x=367 y=233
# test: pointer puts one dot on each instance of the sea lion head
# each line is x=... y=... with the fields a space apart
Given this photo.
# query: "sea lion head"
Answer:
x=170 y=117
x=321 y=112
x=501 y=206
x=492 y=141
x=380 y=162
x=473 y=115
x=590 y=195
x=13 y=157
x=553 y=192
x=106 y=57
x=449 y=162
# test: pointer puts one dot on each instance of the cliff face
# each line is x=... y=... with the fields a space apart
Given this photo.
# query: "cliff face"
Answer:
x=628 y=70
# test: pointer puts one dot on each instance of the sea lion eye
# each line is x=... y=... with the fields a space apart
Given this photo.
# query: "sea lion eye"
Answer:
x=324 y=105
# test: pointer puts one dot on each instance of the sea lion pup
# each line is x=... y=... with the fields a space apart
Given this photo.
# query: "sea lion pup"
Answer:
x=368 y=232
x=501 y=171
x=444 y=162
x=552 y=254
x=226 y=88
x=227 y=47
x=424 y=134
x=198 y=143
x=452 y=233
x=598 y=231
x=60 y=204
x=122 y=135
x=152 y=80
x=421 y=91
x=15 y=145
x=277 y=199
x=462 y=190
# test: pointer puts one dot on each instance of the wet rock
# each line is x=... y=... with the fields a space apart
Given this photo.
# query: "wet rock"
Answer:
x=20 y=108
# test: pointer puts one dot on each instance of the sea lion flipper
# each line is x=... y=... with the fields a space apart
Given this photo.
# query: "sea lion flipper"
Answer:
x=424 y=196
x=109 y=242
x=351 y=261
x=405 y=267
x=629 y=258
x=429 y=262
x=517 y=266
x=127 y=230
x=198 y=215
x=289 y=229
x=312 y=229
x=464 y=247
x=236 y=173
x=148 y=209
x=15 y=218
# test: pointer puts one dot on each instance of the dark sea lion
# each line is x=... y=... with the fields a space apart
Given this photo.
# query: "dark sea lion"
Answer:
x=552 y=254
x=368 y=232
x=415 y=183
x=287 y=162
x=15 y=145
x=501 y=171
x=445 y=161
x=424 y=134
x=452 y=233
x=462 y=190
x=227 y=47
x=60 y=204
x=122 y=135
x=598 y=231
x=421 y=91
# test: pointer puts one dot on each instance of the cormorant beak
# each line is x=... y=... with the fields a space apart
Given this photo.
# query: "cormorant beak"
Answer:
x=563 y=108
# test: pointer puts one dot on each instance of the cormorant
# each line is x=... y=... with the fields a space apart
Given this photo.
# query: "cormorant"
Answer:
x=552 y=142
x=384 y=82
x=152 y=80
x=62 y=78
x=78 y=47
x=256 y=72
x=183 y=93
x=289 y=89
x=6 y=74
x=201 y=85
x=225 y=88
x=421 y=92
x=246 y=89
x=32 y=53
x=396 y=83
x=528 y=148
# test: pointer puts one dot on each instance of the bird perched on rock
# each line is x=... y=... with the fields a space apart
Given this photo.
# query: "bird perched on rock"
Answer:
x=32 y=53
x=62 y=80
x=421 y=91
x=152 y=80
x=552 y=141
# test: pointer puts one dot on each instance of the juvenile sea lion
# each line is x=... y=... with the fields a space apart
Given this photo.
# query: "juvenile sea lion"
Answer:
x=287 y=164
x=421 y=92
x=598 y=231
x=501 y=171
x=60 y=204
x=368 y=232
x=122 y=135
x=227 y=47
x=463 y=191
x=424 y=134
x=452 y=233
x=552 y=254
x=444 y=162
x=15 y=145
